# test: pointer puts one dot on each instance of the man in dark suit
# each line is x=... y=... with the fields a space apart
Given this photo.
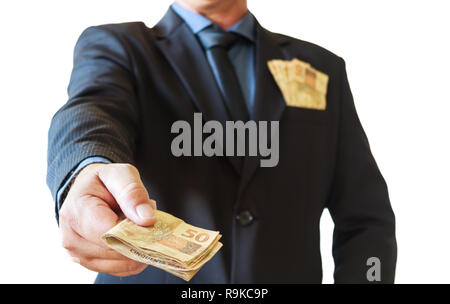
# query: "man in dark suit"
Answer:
x=110 y=152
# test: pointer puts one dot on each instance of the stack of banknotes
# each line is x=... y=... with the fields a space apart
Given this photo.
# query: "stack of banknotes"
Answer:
x=170 y=244
x=301 y=84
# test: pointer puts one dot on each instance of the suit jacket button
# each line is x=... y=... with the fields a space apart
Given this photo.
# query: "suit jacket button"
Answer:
x=245 y=218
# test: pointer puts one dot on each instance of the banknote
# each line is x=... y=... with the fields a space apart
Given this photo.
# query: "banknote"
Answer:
x=170 y=244
x=300 y=83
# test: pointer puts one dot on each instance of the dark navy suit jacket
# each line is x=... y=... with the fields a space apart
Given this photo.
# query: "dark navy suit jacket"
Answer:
x=130 y=83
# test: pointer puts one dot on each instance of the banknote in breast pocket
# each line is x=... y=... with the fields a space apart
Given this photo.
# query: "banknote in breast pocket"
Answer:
x=301 y=85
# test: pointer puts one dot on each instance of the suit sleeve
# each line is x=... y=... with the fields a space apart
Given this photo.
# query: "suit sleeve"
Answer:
x=100 y=117
x=359 y=204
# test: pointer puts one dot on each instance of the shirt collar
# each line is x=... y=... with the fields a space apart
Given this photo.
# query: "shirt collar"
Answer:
x=194 y=21
x=197 y=22
x=245 y=27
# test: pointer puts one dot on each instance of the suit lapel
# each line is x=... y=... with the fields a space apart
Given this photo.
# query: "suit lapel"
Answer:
x=269 y=103
x=186 y=56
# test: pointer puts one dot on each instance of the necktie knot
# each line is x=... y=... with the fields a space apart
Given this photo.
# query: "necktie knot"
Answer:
x=214 y=36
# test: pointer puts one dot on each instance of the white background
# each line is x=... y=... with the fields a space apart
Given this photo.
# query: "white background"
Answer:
x=397 y=55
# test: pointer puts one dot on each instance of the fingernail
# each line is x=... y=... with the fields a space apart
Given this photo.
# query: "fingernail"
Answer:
x=76 y=260
x=145 y=211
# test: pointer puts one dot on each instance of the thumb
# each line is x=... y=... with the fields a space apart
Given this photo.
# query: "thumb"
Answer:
x=125 y=185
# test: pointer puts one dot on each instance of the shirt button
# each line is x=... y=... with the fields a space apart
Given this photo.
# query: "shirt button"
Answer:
x=245 y=218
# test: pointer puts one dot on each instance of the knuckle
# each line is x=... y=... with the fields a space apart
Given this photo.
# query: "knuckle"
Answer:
x=132 y=188
x=126 y=167
x=67 y=244
x=70 y=220
x=87 y=263
x=68 y=211
x=64 y=213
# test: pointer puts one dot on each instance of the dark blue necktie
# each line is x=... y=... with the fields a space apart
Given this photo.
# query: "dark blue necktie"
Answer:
x=216 y=42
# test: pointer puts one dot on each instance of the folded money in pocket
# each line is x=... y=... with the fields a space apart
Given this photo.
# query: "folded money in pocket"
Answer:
x=170 y=244
x=301 y=85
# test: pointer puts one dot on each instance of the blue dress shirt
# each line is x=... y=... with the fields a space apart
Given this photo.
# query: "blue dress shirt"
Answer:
x=242 y=56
